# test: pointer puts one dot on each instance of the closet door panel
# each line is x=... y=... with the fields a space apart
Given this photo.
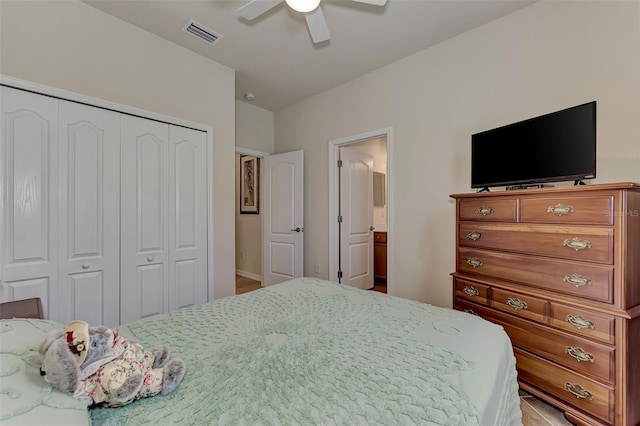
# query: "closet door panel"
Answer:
x=151 y=299
x=188 y=213
x=26 y=289
x=144 y=218
x=86 y=292
x=28 y=182
x=89 y=222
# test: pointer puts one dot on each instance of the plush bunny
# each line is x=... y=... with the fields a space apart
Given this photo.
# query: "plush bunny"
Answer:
x=101 y=367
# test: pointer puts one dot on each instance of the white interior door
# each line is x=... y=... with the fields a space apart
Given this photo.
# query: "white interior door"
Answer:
x=283 y=227
x=28 y=207
x=188 y=283
x=144 y=229
x=89 y=214
x=356 y=209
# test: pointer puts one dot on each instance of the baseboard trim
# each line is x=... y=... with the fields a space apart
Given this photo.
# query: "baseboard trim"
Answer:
x=249 y=275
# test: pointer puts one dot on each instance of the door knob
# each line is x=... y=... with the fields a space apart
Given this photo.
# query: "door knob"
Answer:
x=371 y=228
x=85 y=266
x=298 y=229
x=149 y=259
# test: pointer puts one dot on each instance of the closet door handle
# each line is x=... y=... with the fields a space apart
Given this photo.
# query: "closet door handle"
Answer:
x=150 y=259
x=85 y=266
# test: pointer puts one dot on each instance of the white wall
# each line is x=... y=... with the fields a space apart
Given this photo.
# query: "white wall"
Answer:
x=73 y=46
x=254 y=127
x=546 y=57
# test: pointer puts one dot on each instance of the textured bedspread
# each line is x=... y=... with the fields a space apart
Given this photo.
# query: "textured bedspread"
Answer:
x=312 y=352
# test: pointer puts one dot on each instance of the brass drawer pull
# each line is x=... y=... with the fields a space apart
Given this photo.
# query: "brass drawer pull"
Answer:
x=473 y=235
x=578 y=391
x=474 y=262
x=560 y=209
x=577 y=243
x=470 y=290
x=579 y=322
x=579 y=354
x=516 y=303
x=484 y=210
x=470 y=311
x=577 y=280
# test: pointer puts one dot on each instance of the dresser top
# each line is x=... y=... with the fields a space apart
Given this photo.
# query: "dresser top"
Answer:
x=553 y=190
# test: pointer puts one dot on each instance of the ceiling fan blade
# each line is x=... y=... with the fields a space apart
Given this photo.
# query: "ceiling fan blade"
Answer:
x=255 y=8
x=373 y=2
x=317 y=25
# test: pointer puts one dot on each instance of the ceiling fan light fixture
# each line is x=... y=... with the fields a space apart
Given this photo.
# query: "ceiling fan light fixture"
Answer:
x=303 y=5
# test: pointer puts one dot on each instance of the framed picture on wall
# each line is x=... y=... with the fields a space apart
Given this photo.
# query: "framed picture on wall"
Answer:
x=249 y=185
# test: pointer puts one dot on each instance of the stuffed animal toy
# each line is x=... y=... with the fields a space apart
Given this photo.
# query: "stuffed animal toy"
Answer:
x=100 y=367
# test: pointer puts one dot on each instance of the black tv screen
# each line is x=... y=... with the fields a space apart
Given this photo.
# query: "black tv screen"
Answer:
x=555 y=147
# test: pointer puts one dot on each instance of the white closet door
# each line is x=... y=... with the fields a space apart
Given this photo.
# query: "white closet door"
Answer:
x=89 y=215
x=188 y=217
x=144 y=223
x=28 y=182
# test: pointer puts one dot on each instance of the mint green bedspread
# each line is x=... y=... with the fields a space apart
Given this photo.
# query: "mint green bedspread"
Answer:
x=313 y=352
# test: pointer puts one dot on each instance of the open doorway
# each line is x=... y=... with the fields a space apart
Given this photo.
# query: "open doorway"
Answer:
x=270 y=232
x=377 y=259
x=248 y=228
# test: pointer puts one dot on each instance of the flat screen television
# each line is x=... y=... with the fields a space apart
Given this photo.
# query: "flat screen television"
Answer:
x=555 y=147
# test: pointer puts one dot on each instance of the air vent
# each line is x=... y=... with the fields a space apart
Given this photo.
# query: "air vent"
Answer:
x=201 y=32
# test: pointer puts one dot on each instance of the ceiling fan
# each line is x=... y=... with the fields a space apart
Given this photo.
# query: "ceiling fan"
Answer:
x=311 y=9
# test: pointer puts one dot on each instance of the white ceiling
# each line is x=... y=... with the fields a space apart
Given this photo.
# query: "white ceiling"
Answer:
x=274 y=56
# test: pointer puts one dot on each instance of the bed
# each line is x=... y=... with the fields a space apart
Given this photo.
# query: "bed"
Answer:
x=303 y=352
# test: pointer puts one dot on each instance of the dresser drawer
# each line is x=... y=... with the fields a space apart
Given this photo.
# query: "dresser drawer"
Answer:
x=581 y=392
x=519 y=304
x=488 y=210
x=583 y=322
x=470 y=308
x=581 y=355
x=567 y=242
x=584 y=280
x=472 y=291
x=595 y=209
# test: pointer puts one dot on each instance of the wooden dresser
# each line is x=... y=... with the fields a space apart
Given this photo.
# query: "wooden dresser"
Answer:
x=559 y=269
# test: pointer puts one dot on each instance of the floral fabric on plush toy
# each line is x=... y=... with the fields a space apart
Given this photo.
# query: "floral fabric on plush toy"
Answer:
x=100 y=367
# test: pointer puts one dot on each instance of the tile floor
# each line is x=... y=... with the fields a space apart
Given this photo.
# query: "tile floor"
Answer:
x=535 y=412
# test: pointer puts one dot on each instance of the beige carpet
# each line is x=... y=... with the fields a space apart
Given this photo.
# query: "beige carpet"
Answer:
x=245 y=285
